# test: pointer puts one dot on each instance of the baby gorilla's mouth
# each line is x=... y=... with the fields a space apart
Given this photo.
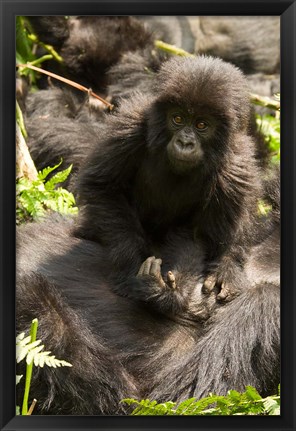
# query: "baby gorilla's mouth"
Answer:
x=182 y=165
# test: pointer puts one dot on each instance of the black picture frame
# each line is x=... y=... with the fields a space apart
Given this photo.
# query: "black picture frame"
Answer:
x=9 y=9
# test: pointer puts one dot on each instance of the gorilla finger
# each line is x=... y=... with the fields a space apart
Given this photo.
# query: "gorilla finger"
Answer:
x=146 y=265
x=224 y=293
x=209 y=284
x=171 y=280
x=155 y=268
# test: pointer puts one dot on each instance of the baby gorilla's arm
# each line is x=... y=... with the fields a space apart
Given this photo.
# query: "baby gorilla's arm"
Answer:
x=177 y=295
x=152 y=267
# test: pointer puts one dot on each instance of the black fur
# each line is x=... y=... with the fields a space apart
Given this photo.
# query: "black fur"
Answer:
x=120 y=348
x=66 y=124
x=134 y=190
x=53 y=30
x=61 y=126
x=97 y=380
x=136 y=204
x=250 y=42
x=89 y=45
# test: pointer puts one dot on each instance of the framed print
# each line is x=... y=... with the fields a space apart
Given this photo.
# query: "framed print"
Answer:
x=150 y=273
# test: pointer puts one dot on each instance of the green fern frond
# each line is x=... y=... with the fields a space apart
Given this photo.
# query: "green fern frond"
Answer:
x=150 y=408
x=46 y=171
x=192 y=406
x=24 y=347
x=186 y=407
x=34 y=198
x=18 y=379
x=30 y=349
x=272 y=406
x=51 y=361
x=59 y=177
x=252 y=394
x=33 y=352
x=270 y=127
x=232 y=404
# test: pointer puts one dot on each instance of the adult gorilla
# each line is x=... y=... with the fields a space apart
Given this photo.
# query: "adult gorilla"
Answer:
x=120 y=348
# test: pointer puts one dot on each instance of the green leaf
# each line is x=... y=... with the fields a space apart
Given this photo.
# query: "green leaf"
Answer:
x=35 y=198
x=23 y=44
x=272 y=406
x=59 y=177
x=24 y=347
x=24 y=49
x=234 y=396
x=32 y=202
x=264 y=208
x=32 y=352
x=270 y=127
x=18 y=379
x=46 y=171
x=252 y=394
x=20 y=337
x=234 y=403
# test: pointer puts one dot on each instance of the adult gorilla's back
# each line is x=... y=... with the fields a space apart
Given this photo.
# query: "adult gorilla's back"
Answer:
x=119 y=348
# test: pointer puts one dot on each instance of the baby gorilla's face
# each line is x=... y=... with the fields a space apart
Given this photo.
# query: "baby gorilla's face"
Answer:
x=190 y=133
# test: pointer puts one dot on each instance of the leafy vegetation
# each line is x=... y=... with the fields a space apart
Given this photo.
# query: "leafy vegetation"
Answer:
x=233 y=404
x=35 y=198
x=26 y=44
x=32 y=352
x=29 y=349
x=24 y=48
x=270 y=127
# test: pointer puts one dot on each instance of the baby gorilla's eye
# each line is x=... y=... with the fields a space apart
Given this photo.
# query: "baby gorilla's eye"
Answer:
x=201 y=125
x=178 y=120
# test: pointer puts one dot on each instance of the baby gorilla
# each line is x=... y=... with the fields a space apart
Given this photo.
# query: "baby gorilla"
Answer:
x=178 y=158
x=179 y=294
